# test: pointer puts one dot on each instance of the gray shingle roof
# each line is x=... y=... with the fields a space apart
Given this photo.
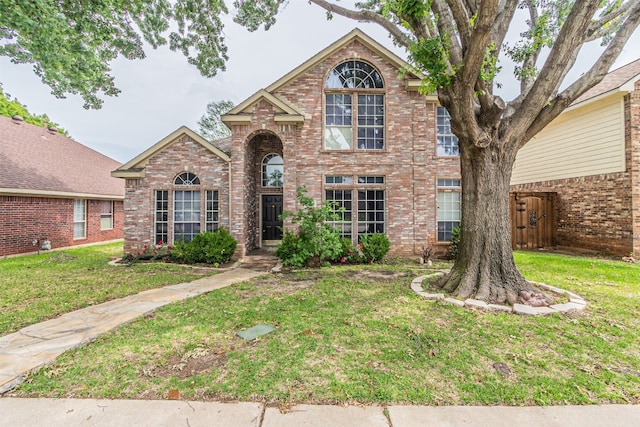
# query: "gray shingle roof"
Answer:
x=33 y=158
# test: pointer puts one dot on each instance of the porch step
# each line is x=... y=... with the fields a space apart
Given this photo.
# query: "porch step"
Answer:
x=259 y=260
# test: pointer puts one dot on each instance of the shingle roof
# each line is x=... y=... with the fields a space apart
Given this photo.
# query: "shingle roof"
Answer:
x=36 y=160
x=612 y=81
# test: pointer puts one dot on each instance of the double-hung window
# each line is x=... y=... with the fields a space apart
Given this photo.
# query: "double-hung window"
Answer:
x=106 y=215
x=354 y=108
x=79 y=219
x=449 y=208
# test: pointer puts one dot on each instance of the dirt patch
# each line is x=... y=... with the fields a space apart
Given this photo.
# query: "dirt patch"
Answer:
x=61 y=257
x=191 y=363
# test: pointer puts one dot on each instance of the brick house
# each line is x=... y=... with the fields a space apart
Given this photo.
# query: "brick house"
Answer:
x=348 y=124
x=53 y=188
x=589 y=157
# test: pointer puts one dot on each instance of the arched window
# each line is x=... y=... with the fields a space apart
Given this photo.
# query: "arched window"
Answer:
x=272 y=170
x=354 y=86
x=187 y=178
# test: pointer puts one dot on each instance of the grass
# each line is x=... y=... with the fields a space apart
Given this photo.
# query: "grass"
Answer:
x=38 y=287
x=358 y=334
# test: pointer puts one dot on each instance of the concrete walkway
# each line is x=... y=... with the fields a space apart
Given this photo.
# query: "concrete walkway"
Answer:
x=37 y=345
x=80 y=412
x=40 y=344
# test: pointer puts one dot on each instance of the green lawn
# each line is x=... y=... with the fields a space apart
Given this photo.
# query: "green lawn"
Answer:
x=34 y=288
x=359 y=334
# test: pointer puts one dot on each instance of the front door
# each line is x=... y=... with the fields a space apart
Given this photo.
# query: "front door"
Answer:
x=271 y=222
x=531 y=223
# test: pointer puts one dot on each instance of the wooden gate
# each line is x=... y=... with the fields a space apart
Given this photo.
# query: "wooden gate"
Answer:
x=533 y=220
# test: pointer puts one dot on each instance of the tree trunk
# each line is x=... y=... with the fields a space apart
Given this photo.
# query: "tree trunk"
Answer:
x=484 y=268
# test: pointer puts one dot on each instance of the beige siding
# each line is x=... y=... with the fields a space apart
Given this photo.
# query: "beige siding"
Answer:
x=581 y=142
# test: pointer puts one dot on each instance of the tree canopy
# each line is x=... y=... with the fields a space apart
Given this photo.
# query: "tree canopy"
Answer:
x=71 y=43
x=210 y=124
x=10 y=107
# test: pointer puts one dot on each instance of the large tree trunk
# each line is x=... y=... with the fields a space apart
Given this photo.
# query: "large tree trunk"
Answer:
x=484 y=268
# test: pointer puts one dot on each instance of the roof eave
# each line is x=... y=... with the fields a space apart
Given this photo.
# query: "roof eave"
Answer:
x=26 y=192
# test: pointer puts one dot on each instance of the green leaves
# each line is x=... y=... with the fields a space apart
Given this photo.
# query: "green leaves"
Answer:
x=72 y=42
x=431 y=57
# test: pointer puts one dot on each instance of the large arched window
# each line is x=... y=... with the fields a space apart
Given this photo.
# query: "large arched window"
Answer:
x=354 y=86
x=272 y=170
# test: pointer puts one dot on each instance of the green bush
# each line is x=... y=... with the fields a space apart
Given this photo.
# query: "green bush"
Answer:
x=452 y=252
x=212 y=247
x=316 y=241
x=374 y=246
x=293 y=250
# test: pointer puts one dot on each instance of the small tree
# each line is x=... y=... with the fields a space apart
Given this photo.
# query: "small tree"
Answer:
x=316 y=240
x=211 y=127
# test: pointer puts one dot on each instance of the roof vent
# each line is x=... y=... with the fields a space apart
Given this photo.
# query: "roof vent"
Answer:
x=17 y=118
x=53 y=129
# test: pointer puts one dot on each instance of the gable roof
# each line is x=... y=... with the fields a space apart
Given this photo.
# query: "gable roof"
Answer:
x=37 y=161
x=620 y=79
x=355 y=34
x=135 y=168
x=285 y=113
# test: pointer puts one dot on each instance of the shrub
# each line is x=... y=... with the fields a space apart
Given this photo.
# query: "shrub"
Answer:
x=316 y=241
x=211 y=247
x=293 y=251
x=454 y=246
x=374 y=246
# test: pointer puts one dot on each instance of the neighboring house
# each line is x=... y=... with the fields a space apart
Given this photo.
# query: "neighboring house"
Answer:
x=54 y=189
x=589 y=159
x=348 y=124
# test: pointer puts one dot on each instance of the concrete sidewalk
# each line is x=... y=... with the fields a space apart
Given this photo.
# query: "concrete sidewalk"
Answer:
x=77 y=412
x=37 y=345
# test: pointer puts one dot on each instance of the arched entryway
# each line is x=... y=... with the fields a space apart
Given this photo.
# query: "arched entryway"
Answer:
x=267 y=176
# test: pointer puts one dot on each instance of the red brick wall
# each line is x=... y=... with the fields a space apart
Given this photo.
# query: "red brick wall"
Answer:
x=24 y=219
x=182 y=155
x=409 y=161
x=602 y=212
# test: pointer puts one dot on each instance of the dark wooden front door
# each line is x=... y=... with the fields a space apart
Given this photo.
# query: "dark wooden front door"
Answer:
x=533 y=220
x=271 y=222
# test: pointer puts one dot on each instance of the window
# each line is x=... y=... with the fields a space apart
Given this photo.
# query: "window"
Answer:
x=212 y=207
x=342 y=199
x=272 y=171
x=368 y=210
x=449 y=208
x=354 y=82
x=186 y=215
x=186 y=178
x=186 y=208
x=79 y=219
x=106 y=215
x=162 y=216
x=447 y=141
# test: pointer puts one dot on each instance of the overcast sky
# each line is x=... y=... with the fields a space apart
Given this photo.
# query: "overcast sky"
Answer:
x=163 y=92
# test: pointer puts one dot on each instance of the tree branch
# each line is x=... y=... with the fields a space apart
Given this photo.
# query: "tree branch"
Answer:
x=571 y=36
x=589 y=79
x=368 y=16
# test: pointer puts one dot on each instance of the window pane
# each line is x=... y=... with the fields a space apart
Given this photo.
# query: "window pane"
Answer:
x=79 y=219
x=449 y=213
x=371 y=211
x=447 y=141
x=337 y=138
x=343 y=208
x=162 y=216
x=186 y=221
